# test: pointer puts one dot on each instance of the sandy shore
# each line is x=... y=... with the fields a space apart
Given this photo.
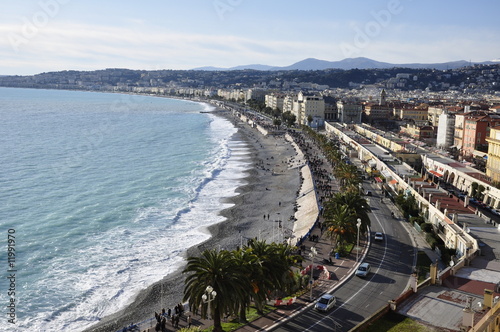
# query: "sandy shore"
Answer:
x=271 y=189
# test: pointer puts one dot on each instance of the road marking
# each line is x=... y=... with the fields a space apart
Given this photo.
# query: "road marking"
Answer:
x=366 y=284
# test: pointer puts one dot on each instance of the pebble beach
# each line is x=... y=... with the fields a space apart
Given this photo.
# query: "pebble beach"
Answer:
x=268 y=198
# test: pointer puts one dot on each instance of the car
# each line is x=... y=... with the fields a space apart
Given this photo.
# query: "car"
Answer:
x=368 y=193
x=325 y=302
x=363 y=270
x=495 y=212
x=378 y=236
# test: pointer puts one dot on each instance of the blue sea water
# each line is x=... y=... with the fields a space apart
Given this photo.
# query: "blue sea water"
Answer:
x=104 y=192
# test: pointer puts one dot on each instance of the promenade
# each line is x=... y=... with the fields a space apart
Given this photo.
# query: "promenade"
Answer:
x=341 y=270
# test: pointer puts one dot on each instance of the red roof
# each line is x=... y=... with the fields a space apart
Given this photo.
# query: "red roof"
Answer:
x=436 y=173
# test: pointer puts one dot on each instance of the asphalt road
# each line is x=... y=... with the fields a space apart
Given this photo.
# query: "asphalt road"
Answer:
x=391 y=263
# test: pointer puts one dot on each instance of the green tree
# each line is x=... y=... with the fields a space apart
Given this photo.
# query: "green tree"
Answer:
x=309 y=119
x=220 y=270
x=289 y=118
x=354 y=202
x=347 y=174
x=250 y=265
x=341 y=225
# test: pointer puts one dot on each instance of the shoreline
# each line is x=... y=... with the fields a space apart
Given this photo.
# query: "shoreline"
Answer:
x=270 y=189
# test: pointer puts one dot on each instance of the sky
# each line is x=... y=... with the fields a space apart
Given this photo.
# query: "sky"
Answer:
x=53 y=35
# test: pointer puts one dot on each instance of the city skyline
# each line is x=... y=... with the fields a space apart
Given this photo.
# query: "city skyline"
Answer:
x=53 y=35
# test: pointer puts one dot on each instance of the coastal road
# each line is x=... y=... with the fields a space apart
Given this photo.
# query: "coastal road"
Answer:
x=391 y=263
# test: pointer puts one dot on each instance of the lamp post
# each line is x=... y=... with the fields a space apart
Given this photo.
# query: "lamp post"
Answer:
x=208 y=297
x=358 y=225
x=312 y=254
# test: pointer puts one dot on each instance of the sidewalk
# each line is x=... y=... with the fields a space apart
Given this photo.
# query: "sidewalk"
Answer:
x=340 y=271
x=417 y=238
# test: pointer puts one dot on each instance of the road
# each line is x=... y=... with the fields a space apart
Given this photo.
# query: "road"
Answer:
x=391 y=265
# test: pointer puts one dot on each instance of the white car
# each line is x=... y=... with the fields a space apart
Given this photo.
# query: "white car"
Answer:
x=325 y=302
x=363 y=270
x=378 y=236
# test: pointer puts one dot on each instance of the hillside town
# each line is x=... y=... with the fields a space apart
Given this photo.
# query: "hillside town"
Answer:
x=452 y=110
x=425 y=140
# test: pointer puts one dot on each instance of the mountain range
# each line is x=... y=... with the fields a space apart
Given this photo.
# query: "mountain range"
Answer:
x=351 y=63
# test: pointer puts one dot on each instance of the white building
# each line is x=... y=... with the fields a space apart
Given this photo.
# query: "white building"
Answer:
x=275 y=100
x=310 y=105
x=349 y=112
x=446 y=130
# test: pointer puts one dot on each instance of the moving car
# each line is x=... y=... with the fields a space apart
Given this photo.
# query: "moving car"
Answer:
x=363 y=270
x=325 y=303
x=379 y=236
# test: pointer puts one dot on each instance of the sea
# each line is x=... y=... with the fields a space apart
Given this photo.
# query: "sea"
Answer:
x=100 y=195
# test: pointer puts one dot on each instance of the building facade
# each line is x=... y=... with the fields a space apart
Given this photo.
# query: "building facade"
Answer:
x=493 y=164
x=446 y=130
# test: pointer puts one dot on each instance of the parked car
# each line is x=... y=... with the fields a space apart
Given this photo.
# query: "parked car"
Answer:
x=473 y=201
x=325 y=303
x=379 y=236
x=363 y=270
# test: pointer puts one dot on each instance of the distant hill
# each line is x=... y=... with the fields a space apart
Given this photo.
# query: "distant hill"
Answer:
x=253 y=67
x=351 y=63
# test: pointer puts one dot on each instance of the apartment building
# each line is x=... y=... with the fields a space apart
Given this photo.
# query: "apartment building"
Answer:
x=349 y=111
x=418 y=115
x=445 y=130
x=476 y=130
x=275 y=100
x=310 y=105
x=493 y=164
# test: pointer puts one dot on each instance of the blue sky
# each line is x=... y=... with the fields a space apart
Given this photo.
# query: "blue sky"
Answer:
x=51 y=35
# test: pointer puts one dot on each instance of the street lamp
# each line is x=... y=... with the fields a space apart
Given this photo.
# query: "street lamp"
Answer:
x=208 y=297
x=312 y=254
x=358 y=225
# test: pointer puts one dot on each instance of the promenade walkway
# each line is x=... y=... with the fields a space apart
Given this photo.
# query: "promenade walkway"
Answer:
x=340 y=271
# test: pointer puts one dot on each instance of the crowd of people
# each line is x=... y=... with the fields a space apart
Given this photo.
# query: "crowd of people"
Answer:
x=173 y=315
x=321 y=169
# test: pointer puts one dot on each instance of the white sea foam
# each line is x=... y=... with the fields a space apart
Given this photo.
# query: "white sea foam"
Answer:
x=91 y=246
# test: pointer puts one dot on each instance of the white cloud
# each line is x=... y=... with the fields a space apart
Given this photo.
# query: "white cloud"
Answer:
x=66 y=45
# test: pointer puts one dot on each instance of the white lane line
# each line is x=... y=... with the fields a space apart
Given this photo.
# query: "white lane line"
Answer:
x=366 y=284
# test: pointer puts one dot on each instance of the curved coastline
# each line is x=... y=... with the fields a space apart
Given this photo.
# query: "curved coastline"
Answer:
x=271 y=188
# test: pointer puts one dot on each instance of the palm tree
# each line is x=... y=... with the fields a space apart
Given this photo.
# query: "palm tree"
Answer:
x=347 y=174
x=220 y=270
x=341 y=225
x=250 y=266
x=356 y=203
x=275 y=273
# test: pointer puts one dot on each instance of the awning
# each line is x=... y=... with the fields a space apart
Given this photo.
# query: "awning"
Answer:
x=393 y=181
x=386 y=174
x=436 y=173
x=379 y=180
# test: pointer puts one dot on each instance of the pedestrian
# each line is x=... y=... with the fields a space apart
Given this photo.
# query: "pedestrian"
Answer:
x=189 y=320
